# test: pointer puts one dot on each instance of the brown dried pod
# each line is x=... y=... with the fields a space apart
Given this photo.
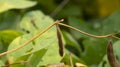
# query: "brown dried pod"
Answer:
x=110 y=55
x=60 y=42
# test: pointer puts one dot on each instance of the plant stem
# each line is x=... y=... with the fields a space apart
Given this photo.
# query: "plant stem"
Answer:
x=71 y=60
x=51 y=25
x=23 y=62
x=91 y=35
x=30 y=40
x=115 y=37
x=62 y=4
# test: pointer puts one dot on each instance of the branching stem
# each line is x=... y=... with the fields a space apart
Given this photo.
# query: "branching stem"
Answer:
x=91 y=35
x=51 y=25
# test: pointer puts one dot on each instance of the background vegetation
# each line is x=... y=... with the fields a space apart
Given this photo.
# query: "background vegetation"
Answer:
x=20 y=20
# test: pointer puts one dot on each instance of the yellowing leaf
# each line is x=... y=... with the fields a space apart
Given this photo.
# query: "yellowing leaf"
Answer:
x=35 y=22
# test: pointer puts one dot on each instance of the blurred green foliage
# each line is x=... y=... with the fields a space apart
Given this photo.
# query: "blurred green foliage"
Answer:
x=20 y=20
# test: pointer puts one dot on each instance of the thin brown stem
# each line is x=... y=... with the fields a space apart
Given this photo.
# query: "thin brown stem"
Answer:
x=51 y=25
x=23 y=62
x=115 y=37
x=30 y=40
x=71 y=60
x=85 y=33
x=62 y=4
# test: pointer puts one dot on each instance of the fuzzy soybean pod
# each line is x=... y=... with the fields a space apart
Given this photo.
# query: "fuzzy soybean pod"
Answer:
x=60 y=42
x=110 y=55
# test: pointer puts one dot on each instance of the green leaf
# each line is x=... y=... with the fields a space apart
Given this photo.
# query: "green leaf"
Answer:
x=71 y=42
x=6 y=37
x=36 y=57
x=17 y=42
x=75 y=59
x=111 y=24
x=93 y=49
x=22 y=59
x=9 y=20
x=50 y=6
x=15 y=4
x=33 y=59
x=79 y=24
x=70 y=10
x=1 y=63
x=35 y=22
x=104 y=62
x=52 y=56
